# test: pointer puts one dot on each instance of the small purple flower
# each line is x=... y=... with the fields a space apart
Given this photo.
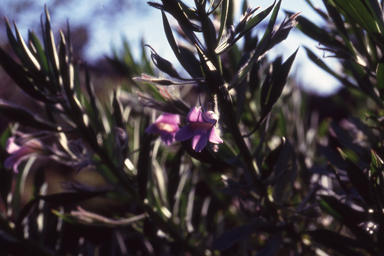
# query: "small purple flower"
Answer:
x=166 y=125
x=19 y=153
x=201 y=128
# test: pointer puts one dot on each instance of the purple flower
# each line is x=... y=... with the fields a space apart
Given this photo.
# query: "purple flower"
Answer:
x=201 y=128
x=19 y=153
x=166 y=125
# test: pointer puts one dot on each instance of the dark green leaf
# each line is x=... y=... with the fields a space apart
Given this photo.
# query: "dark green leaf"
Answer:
x=144 y=165
x=271 y=247
x=28 y=58
x=183 y=55
x=25 y=117
x=345 y=214
x=223 y=19
x=237 y=234
x=271 y=160
x=329 y=236
x=174 y=176
x=338 y=242
x=359 y=181
x=358 y=11
x=18 y=75
x=66 y=68
x=91 y=93
x=50 y=47
x=318 y=34
x=25 y=212
x=261 y=48
x=67 y=198
x=364 y=82
x=323 y=66
x=41 y=57
x=191 y=63
x=347 y=141
x=277 y=86
x=225 y=46
x=12 y=40
x=380 y=77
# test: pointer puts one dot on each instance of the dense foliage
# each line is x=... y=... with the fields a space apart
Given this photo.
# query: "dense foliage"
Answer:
x=226 y=157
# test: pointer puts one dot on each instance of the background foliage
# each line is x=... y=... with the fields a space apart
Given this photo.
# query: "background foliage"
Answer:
x=295 y=175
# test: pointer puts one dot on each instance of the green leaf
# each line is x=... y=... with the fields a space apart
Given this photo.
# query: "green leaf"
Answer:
x=253 y=22
x=323 y=66
x=30 y=60
x=339 y=23
x=358 y=11
x=183 y=55
x=318 y=34
x=19 y=76
x=12 y=40
x=340 y=243
x=277 y=86
x=223 y=19
x=71 y=197
x=41 y=57
x=346 y=215
x=91 y=93
x=50 y=48
x=380 y=77
x=66 y=68
x=239 y=233
x=364 y=82
x=271 y=160
x=144 y=165
x=359 y=181
x=174 y=176
x=261 y=48
x=271 y=247
x=376 y=9
x=21 y=115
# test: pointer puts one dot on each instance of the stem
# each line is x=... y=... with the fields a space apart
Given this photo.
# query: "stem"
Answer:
x=226 y=106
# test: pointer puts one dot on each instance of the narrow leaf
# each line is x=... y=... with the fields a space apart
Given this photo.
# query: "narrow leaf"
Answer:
x=70 y=197
x=21 y=115
x=277 y=86
x=30 y=60
x=261 y=48
x=18 y=75
x=41 y=57
x=51 y=47
x=223 y=19
x=358 y=11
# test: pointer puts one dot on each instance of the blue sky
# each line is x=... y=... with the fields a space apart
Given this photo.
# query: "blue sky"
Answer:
x=150 y=28
x=140 y=21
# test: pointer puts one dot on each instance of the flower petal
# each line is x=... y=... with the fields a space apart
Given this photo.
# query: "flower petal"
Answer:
x=214 y=136
x=184 y=133
x=210 y=117
x=11 y=146
x=199 y=141
x=152 y=129
x=168 y=118
x=195 y=115
x=167 y=137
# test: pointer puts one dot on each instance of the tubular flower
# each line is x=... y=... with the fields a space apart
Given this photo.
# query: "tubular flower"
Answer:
x=19 y=153
x=201 y=128
x=166 y=125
